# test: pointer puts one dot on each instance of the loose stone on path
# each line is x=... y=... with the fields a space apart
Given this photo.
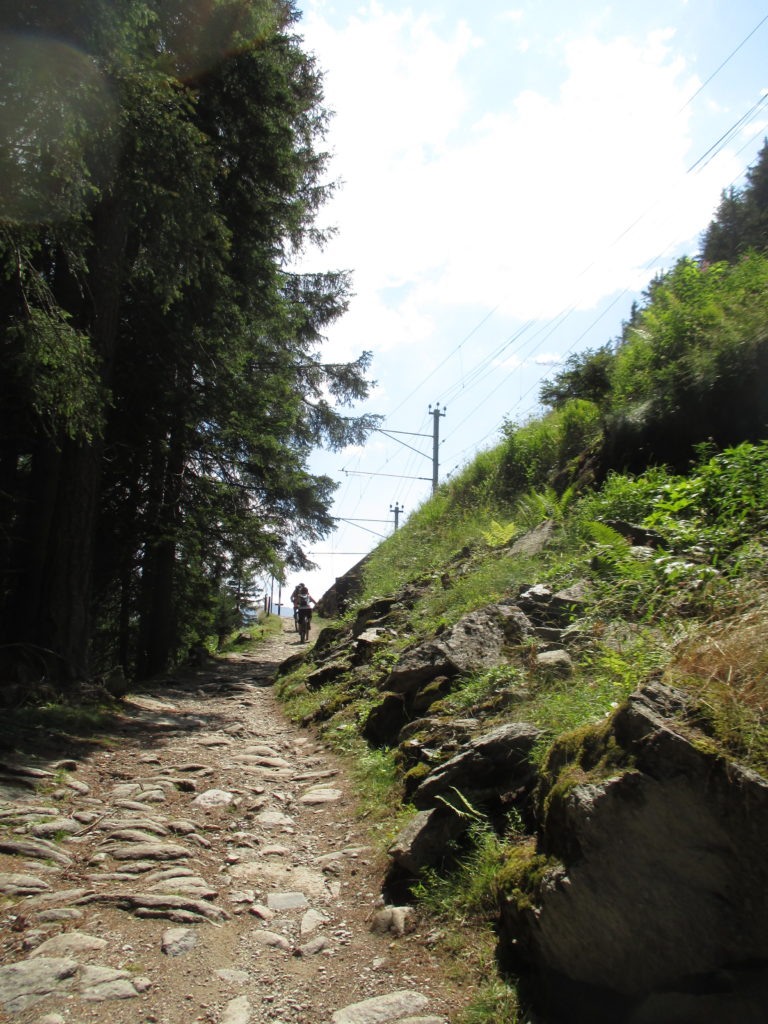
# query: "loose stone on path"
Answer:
x=381 y=1009
x=25 y=983
x=177 y=941
x=321 y=795
x=287 y=901
x=69 y=944
x=237 y=901
x=13 y=883
x=237 y=1011
x=213 y=798
x=272 y=939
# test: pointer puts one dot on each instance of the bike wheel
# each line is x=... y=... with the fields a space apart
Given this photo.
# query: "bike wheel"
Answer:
x=303 y=630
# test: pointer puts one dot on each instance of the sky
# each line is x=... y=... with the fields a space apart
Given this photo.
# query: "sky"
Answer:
x=510 y=177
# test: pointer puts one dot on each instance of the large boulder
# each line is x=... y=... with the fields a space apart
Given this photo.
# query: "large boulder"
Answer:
x=479 y=640
x=426 y=839
x=534 y=541
x=328 y=672
x=661 y=882
x=376 y=612
x=493 y=764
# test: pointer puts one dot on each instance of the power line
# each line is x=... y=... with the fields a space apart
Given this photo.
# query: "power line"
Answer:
x=549 y=329
x=720 y=67
x=486 y=365
x=450 y=355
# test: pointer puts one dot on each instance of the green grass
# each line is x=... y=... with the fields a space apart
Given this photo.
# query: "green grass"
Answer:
x=494 y=576
x=469 y=890
x=374 y=772
x=476 y=690
x=674 y=615
x=422 y=547
x=494 y=1001
x=724 y=666
x=265 y=627
x=465 y=901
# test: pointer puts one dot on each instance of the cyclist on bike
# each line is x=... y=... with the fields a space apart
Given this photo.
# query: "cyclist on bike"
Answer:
x=301 y=599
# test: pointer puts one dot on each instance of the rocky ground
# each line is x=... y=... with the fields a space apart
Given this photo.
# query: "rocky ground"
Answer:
x=206 y=865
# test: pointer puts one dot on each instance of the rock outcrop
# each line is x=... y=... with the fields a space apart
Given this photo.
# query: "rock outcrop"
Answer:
x=493 y=763
x=476 y=641
x=660 y=898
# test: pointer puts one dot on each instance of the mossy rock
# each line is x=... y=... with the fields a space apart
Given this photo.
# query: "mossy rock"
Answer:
x=327 y=709
x=521 y=878
x=432 y=692
x=291 y=664
x=415 y=776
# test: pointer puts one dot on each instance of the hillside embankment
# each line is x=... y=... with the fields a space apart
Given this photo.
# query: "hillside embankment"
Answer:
x=200 y=859
x=563 y=780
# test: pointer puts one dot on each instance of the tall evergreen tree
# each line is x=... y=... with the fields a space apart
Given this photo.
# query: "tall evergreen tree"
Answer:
x=164 y=387
x=741 y=221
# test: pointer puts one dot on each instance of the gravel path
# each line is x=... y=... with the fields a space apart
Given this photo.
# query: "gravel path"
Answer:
x=208 y=866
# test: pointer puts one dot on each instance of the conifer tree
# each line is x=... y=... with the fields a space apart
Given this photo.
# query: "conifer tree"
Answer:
x=163 y=383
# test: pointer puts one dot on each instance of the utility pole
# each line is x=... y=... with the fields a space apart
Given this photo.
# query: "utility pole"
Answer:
x=397 y=510
x=436 y=414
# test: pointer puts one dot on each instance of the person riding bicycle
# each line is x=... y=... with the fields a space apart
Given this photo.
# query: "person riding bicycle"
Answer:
x=301 y=600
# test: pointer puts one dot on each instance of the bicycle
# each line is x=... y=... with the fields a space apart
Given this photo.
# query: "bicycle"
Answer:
x=305 y=620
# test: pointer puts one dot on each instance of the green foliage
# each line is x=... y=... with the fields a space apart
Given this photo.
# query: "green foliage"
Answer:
x=586 y=377
x=163 y=384
x=622 y=496
x=529 y=456
x=469 y=890
x=686 y=369
x=536 y=506
x=493 y=1001
x=741 y=222
x=724 y=499
x=580 y=427
x=53 y=368
x=498 y=535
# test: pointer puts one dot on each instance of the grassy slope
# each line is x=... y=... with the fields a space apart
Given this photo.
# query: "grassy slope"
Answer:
x=693 y=611
x=683 y=387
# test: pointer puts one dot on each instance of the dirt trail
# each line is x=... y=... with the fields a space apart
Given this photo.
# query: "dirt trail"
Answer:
x=207 y=867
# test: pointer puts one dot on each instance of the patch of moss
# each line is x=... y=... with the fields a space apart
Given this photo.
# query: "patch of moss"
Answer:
x=522 y=876
x=580 y=757
x=326 y=709
x=415 y=776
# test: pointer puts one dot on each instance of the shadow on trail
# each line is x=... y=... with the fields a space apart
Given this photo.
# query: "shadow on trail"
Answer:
x=158 y=708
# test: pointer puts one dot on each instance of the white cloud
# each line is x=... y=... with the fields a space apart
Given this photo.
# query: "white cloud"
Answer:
x=549 y=202
x=548 y=359
x=510 y=363
x=512 y=15
x=374 y=326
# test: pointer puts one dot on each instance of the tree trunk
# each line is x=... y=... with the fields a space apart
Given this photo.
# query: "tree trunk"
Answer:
x=48 y=608
x=158 y=629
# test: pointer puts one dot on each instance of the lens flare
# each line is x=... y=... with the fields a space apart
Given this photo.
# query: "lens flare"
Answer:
x=57 y=129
